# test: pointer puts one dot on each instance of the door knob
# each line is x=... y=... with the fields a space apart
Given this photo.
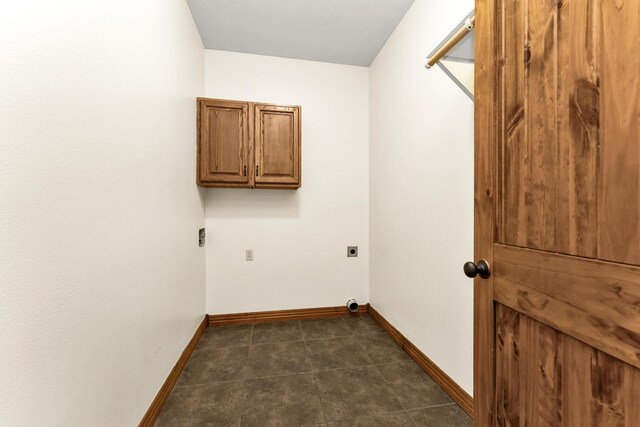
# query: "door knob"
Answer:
x=480 y=269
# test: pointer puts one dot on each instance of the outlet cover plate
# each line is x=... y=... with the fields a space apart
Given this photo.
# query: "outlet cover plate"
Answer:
x=248 y=255
x=352 y=251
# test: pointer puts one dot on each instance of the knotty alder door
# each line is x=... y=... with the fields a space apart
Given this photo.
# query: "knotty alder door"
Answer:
x=557 y=323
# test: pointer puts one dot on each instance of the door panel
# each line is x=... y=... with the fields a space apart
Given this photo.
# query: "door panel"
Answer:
x=224 y=153
x=618 y=195
x=557 y=324
x=277 y=145
x=547 y=378
x=570 y=128
x=578 y=122
x=550 y=97
x=223 y=142
x=278 y=136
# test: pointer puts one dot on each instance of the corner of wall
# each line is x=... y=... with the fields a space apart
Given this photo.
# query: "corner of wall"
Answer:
x=421 y=192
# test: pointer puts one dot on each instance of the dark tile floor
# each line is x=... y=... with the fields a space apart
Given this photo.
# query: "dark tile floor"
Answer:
x=326 y=372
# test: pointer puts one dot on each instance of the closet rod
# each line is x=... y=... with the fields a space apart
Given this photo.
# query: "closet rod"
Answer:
x=454 y=40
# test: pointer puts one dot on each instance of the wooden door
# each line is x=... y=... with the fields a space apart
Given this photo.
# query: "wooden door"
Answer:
x=277 y=146
x=223 y=143
x=557 y=323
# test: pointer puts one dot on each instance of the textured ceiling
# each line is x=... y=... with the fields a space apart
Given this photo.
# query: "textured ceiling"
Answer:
x=340 y=31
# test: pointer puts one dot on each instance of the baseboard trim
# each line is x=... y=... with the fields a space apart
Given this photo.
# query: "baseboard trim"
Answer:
x=271 y=316
x=153 y=412
x=454 y=391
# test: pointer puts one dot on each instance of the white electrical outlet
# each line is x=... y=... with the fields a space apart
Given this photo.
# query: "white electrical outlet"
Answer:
x=248 y=255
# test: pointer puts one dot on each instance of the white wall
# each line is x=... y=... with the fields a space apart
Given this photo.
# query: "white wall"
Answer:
x=299 y=237
x=101 y=278
x=422 y=192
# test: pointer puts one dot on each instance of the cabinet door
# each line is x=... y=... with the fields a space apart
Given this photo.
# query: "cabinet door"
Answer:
x=277 y=146
x=223 y=143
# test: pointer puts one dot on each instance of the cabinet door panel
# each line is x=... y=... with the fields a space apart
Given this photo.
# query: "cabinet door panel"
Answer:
x=223 y=144
x=277 y=147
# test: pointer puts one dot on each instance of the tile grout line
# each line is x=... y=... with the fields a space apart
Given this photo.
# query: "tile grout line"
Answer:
x=275 y=342
x=377 y=369
x=388 y=386
x=324 y=413
x=304 y=341
x=433 y=406
x=312 y=373
x=308 y=353
x=313 y=339
x=344 y=322
x=412 y=412
x=357 y=340
x=315 y=371
x=244 y=379
x=363 y=348
x=402 y=411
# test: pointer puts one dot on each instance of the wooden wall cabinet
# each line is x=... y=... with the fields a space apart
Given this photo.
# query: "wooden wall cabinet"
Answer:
x=248 y=145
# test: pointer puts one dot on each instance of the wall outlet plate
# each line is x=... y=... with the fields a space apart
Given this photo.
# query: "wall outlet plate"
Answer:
x=352 y=251
x=201 y=237
x=248 y=255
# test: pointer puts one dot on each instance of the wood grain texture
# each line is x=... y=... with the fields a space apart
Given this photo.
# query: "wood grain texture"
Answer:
x=248 y=145
x=539 y=374
x=569 y=154
x=562 y=381
x=277 y=146
x=528 y=83
x=616 y=387
x=223 y=143
x=486 y=136
x=154 y=410
x=619 y=174
x=507 y=367
x=276 y=315
x=578 y=128
x=457 y=393
x=513 y=156
x=549 y=131
x=541 y=110
x=565 y=271
x=576 y=382
x=594 y=301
